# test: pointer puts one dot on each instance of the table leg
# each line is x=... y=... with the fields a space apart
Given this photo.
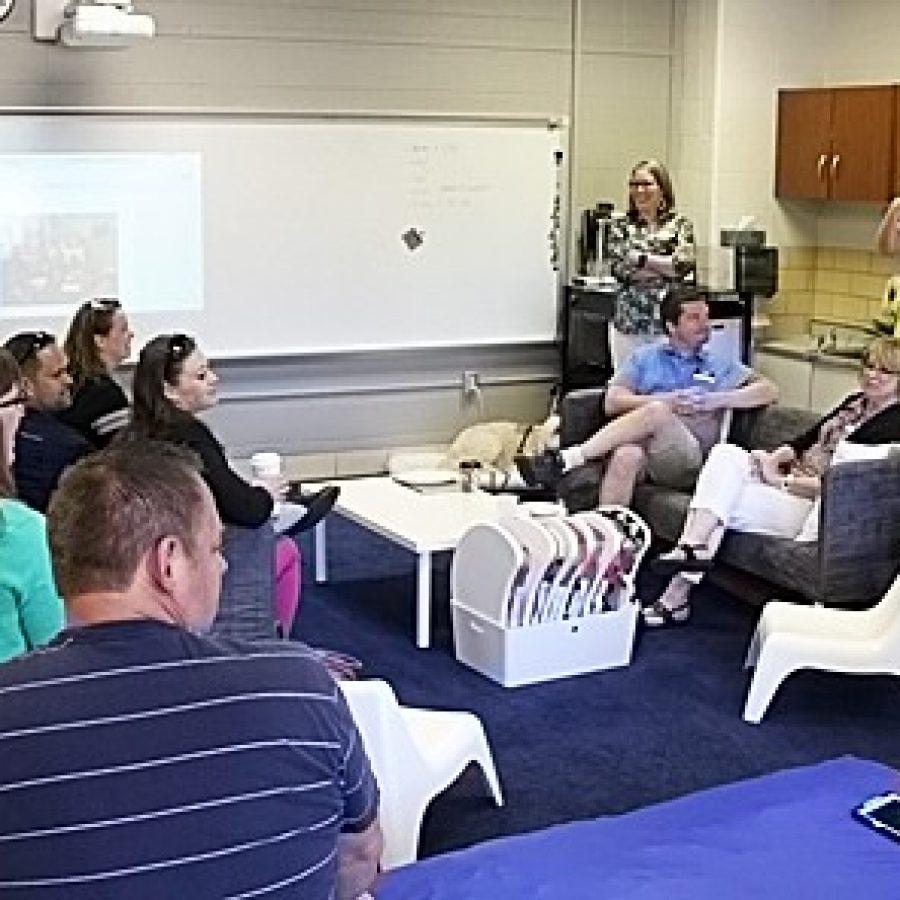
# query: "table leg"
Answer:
x=320 y=552
x=423 y=601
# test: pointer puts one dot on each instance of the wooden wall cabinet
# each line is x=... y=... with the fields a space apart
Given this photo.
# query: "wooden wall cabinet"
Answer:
x=837 y=143
x=896 y=191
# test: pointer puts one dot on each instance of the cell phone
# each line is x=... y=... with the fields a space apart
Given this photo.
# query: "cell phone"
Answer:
x=881 y=812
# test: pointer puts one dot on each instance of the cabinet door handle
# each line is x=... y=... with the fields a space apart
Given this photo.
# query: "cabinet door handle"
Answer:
x=835 y=162
x=820 y=165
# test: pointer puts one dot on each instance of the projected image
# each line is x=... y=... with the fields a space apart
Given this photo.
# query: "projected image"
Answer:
x=57 y=259
x=86 y=224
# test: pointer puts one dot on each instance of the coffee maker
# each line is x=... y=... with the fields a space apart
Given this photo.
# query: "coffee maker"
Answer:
x=594 y=240
x=755 y=274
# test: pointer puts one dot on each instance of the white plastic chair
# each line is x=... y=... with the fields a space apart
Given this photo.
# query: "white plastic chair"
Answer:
x=415 y=754
x=791 y=637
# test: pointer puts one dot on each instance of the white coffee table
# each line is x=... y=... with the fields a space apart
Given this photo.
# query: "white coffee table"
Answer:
x=423 y=522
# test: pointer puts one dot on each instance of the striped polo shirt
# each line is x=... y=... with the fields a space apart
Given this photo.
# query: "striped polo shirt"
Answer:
x=139 y=760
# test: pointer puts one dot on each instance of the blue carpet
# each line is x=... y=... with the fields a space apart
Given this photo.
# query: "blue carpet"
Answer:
x=597 y=744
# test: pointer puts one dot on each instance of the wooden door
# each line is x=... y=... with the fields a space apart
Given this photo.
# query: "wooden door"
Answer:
x=803 y=143
x=862 y=143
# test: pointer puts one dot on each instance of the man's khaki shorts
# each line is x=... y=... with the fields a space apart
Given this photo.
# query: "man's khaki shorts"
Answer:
x=674 y=457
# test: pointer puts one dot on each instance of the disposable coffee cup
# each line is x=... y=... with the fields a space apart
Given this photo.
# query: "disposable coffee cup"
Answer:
x=265 y=465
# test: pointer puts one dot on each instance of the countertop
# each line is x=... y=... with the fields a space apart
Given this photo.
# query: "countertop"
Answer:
x=803 y=347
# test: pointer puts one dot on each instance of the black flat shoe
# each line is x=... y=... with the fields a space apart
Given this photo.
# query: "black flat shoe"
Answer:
x=544 y=470
x=318 y=505
x=690 y=562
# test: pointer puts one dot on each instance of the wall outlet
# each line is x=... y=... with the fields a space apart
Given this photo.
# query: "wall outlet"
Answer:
x=470 y=384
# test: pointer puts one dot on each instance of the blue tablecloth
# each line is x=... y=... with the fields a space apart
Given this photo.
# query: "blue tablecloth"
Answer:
x=789 y=834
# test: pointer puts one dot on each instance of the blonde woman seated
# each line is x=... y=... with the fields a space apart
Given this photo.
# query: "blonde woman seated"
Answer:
x=772 y=493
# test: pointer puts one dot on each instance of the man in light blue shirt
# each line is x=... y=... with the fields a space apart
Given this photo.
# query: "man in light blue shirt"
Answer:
x=669 y=401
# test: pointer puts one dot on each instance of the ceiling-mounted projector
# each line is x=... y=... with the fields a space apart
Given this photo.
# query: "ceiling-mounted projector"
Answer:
x=101 y=23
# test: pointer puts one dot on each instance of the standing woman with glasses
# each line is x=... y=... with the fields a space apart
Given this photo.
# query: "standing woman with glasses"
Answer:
x=650 y=248
x=31 y=612
x=98 y=342
x=173 y=382
x=773 y=493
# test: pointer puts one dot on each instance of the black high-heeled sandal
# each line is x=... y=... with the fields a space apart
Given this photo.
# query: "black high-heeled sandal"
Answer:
x=658 y=615
x=690 y=563
x=318 y=505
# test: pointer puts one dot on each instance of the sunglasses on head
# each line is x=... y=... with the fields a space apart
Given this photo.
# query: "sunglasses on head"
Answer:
x=178 y=348
x=26 y=346
x=104 y=304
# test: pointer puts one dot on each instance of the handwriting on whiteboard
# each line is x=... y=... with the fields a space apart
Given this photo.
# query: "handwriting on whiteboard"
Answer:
x=444 y=175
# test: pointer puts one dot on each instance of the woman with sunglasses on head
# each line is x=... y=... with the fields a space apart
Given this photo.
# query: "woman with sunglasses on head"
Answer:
x=774 y=492
x=650 y=248
x=31 y=612
x=98 y=342
x=173 y=382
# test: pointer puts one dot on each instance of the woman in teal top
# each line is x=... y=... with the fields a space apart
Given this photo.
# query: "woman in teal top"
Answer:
x=31 y=612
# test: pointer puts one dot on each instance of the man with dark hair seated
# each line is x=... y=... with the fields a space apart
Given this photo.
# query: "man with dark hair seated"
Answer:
x=140 y=758
x=45 y=447
x=668 y=399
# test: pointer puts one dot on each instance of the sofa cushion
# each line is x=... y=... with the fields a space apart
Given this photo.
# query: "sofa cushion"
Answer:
x=581 y=414
x=770 y=426
x=663 y=509
x=782 y=561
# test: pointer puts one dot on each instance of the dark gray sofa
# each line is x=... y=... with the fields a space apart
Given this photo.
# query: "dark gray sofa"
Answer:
x=858 y=551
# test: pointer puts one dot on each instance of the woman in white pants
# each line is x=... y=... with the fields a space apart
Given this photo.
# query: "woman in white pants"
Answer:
x=772 y=493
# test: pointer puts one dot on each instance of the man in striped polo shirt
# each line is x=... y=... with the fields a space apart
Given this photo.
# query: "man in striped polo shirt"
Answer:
x=141 y=759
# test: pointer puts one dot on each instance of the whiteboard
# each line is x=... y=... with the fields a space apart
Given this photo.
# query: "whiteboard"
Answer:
x=305 y=235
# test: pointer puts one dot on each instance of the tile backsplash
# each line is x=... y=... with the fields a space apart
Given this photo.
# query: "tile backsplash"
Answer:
x=827 y=282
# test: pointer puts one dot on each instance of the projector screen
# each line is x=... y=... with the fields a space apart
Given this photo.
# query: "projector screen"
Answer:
x=283 y=235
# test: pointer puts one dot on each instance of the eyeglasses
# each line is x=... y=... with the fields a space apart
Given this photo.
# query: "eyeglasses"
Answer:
x=636 y=185
x=24 y=346
x=879 y=370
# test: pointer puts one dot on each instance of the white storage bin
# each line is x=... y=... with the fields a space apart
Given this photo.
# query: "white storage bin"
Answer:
x=544 y=651
x=548 y=600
